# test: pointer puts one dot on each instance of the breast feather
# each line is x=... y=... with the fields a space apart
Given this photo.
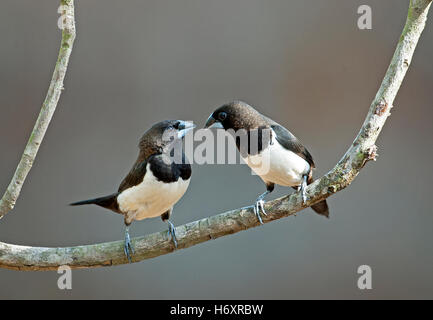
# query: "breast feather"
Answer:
x=151 y=198
x=278 y=165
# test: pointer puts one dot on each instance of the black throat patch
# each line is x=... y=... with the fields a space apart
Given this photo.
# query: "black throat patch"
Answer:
x=166 y=171
x=254 y=141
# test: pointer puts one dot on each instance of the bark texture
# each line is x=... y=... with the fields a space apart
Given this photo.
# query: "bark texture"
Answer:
x=362 y=150
x=49 y=105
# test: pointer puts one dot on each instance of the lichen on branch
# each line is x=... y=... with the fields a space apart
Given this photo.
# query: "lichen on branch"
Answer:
x=7 y=202
x=362 y=150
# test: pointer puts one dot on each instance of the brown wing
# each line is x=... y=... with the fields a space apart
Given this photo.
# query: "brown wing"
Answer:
x=134 y=177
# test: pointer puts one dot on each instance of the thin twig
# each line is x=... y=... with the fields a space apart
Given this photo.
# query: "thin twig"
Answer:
x=12 y=193
x=361 y=151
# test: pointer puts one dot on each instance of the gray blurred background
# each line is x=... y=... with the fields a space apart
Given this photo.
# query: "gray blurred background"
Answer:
x=303 y=63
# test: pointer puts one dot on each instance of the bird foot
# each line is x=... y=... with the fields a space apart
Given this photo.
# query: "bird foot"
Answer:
x=128 y=248
x=172 y=233
x=304 y=196
x=259 y=207
x=303 y=189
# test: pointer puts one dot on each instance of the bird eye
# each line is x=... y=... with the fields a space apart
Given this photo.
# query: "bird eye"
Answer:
x=222 y=116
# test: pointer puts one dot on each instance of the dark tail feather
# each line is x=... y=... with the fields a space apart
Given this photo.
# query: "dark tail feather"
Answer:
x=109 y=202
x=321 y=208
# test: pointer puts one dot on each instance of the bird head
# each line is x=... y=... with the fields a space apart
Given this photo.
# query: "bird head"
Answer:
x=163 y=134
x=234 y=115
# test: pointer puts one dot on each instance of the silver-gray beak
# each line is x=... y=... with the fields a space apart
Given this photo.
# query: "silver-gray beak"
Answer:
x=212 y=123
x=184 y=128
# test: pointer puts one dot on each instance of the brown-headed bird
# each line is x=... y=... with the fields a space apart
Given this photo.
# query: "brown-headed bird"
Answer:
x=270 y=150
x=155 y=183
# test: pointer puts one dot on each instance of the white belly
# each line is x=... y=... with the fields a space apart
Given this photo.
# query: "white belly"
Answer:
x=278 y=165
x=151 y=198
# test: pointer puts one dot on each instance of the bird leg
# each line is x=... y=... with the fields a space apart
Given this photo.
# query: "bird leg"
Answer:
x=259 y=206
x=303 y=188
x=172 y=232
x=128 y=246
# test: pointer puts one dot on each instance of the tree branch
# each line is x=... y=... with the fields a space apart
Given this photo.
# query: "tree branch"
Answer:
x=361 y=151
x=12 y=193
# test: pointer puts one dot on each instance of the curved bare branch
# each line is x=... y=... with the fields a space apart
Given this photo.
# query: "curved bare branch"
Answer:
x=361 y=151
x=13 y=191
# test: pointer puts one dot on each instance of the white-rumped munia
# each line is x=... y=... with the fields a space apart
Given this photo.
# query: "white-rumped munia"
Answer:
x=155 y=182
x=288 y=162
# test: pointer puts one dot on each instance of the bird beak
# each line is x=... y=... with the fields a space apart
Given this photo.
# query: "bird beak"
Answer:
x=212 y=123
x=184 y=128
